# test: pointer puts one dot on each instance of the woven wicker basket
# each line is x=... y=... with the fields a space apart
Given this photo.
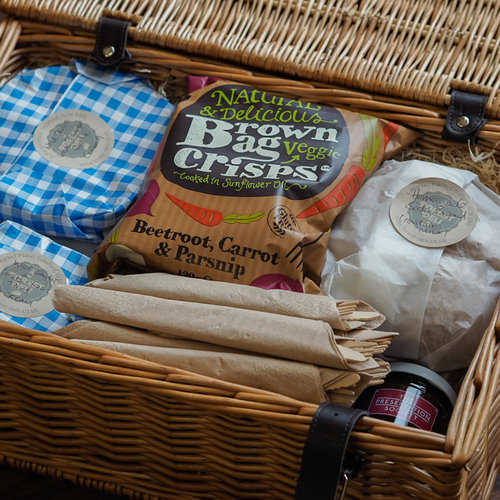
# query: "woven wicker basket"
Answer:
x=125 y=426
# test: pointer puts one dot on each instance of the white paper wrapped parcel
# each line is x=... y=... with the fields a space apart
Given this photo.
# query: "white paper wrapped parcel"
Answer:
x=440 y=300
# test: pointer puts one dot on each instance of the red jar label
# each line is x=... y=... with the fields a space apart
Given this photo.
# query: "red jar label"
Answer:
x=404 y=406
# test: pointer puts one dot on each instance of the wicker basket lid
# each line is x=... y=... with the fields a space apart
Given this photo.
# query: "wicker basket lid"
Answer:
x=412 y=50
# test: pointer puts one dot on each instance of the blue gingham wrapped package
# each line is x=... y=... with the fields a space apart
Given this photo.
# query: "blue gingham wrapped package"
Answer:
x=75 y=144
x=31 y=265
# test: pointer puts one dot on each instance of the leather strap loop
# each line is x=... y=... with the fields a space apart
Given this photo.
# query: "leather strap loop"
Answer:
x=323 y=458
x=111 y=42
x=465 y=117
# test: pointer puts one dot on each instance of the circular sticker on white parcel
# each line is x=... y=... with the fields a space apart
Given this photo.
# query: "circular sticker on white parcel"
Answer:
x=433 y=212
x=74 y=138
x=26 y=282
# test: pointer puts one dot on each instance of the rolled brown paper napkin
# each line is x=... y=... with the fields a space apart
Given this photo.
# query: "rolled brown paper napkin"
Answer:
x=364 y=316
x=113 y=332
x=368 y=342
x=85 y=329
x=171 y=286
x=299 y=339
x=301 y=381
x=340 y=385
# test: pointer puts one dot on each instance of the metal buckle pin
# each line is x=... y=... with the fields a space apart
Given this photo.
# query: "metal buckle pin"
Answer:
x=344 y=487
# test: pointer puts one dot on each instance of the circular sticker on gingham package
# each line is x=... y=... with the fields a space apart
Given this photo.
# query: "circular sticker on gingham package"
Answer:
x=26 y=282
x=433 y=212
x=74 y=138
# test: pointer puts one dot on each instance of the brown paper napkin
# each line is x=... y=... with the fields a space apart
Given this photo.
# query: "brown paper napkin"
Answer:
x=85 y=329
x=367 y=342
x=298 y=380
x=301 y=381
x=293 y=338
x=271 y=339
x=318 y=307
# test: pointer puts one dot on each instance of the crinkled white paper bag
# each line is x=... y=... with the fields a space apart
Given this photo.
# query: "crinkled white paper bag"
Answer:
x=440 y=300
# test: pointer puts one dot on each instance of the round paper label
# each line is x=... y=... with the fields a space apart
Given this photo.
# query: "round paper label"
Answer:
x=26 y=281
x=74 y=138
x=433 y=212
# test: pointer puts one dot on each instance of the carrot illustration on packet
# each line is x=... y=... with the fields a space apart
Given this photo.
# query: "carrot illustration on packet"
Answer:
x=351 y=183
x=210 y=216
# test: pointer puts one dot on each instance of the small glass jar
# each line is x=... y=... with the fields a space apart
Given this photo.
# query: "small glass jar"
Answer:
x=411 y=395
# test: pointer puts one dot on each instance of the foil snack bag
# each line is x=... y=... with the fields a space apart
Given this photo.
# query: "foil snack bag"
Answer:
x=245 y=187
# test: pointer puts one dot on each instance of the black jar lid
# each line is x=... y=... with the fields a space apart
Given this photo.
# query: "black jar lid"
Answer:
x=430 y=376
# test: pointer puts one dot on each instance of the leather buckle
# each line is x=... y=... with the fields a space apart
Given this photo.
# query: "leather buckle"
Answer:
x=324 y=459
x=111 y=41
x=465 y=117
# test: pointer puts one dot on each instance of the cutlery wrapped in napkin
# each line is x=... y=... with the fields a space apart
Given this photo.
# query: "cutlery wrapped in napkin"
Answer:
x=342 y=315
x=302 y=381
x=272 y=339
x=299 y=339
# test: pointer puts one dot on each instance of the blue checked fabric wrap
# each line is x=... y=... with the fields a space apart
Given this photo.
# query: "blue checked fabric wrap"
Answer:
x=77 y=203
x=16 y=238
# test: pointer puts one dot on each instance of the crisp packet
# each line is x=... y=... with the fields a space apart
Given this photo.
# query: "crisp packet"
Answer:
x=75 y=144
x=245 y=188
x=31 y=266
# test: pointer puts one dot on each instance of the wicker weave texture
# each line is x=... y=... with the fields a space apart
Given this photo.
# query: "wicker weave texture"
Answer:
x=122 y=425
x=128 y=426
x=24 y=43
x=413 y=50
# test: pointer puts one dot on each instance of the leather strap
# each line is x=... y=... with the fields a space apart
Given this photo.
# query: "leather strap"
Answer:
x=111 y=41
x=465 y=117
x=324 y=459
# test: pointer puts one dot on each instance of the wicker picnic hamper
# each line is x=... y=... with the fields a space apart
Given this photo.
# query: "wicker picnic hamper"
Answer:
x=125 y=426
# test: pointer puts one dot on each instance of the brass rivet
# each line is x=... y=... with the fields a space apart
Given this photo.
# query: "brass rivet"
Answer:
x=108 y=51
x=463 y=121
